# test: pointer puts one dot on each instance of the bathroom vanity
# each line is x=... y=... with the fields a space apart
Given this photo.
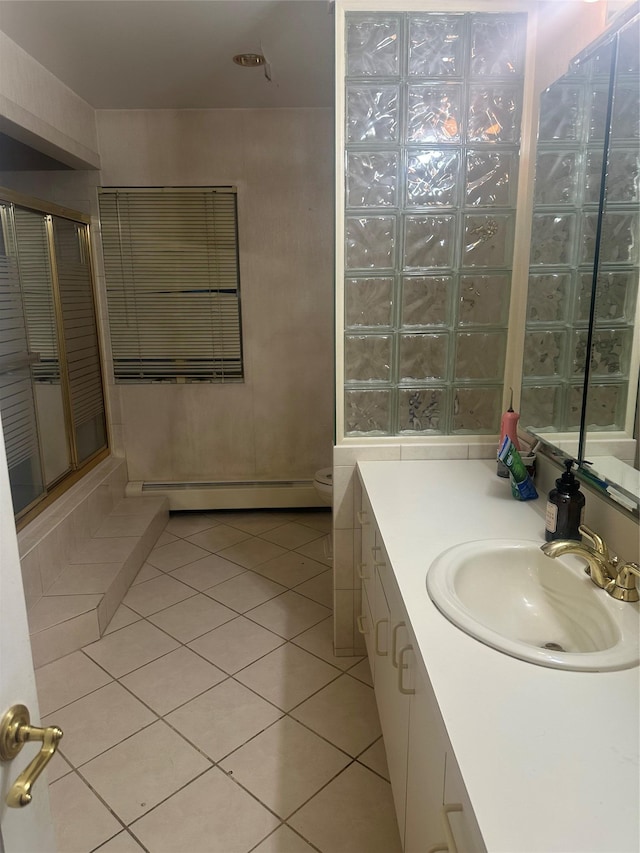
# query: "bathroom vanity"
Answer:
x=486 y=752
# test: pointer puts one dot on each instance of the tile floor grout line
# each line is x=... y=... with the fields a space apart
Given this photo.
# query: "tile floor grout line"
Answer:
x=168 y=797
x=101 y=799
x=371 y=769
x=306 y=840
x=322 y=787
x=78 y=767
x=195 y=651
x=295 y=831
x=230 y=674
x=286 y=639
x=339 y=671
x=142 y=615
x=228 y=775
x=128 y=831
x=216 y=761
x=227 y=677
x=324 y=737
x=248 y=537
x=282 y=714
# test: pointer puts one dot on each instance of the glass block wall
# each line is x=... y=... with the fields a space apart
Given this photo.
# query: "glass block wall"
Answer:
x=568 y=181
x=433 y=107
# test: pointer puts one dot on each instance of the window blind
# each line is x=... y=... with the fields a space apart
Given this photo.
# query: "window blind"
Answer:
x=16 y=392
x=171 y=267
x=79 y=325
x=37 y=293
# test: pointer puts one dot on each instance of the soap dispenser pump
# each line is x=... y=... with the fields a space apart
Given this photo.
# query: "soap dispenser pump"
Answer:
x=564 y=507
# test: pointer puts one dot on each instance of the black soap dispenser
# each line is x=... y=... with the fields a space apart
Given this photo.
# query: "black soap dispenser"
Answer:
x=564 y=507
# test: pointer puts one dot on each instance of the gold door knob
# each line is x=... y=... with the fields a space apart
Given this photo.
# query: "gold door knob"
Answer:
x=15 y=731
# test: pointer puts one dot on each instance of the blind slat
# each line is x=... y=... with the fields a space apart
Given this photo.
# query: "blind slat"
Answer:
x=16 y=392
x=79 y=321
x=171 y=265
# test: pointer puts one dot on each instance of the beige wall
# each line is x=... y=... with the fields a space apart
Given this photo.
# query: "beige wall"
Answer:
x=279 y=423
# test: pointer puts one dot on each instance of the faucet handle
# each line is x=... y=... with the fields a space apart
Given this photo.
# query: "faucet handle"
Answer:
x=623 y=588
x=597 y=542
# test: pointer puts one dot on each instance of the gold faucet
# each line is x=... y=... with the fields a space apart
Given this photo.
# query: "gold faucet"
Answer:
x=624 y=588
x=606 y=571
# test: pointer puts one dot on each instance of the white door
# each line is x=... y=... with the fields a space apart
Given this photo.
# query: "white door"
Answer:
x=27 y=829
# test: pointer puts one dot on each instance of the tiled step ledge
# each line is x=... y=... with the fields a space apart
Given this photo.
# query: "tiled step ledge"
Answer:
x=78 y=606
x=46 y=543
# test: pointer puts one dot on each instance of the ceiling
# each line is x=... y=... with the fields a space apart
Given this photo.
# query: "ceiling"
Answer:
x=177 y=54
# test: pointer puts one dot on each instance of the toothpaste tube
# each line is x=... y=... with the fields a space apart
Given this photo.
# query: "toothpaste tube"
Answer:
x=521 y=483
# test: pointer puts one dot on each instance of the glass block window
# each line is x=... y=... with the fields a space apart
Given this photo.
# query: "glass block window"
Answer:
x=433 y=106
x=567 y=195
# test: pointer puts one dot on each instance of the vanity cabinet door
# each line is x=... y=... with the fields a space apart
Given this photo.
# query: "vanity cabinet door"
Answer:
x=365 y=626
x=424 y=775
x=458 y=816
x=425 y=769
x=365 y=568
x=392 y=684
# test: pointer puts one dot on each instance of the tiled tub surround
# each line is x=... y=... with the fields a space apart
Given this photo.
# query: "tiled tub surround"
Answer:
x=79 y=557
x=432 y=130
x=213 y=714
x=46 y=542
x=96 y=575
x=525 y=737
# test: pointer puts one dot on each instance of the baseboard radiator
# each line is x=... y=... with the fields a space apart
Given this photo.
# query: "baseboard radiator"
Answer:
x=244 y=494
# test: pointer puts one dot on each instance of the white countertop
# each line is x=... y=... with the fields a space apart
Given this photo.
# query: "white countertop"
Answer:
x=549 y=757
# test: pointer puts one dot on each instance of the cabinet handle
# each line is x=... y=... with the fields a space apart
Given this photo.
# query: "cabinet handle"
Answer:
x=361 y=628
x=394 y=643
x=377 y=648
x=401 y=668
x=362 y=572
x=376 y=562
x=327 y=547
x=452 y=847
x=362 y=517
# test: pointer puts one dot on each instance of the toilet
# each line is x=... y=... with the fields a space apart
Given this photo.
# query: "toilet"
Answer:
x=323 y=484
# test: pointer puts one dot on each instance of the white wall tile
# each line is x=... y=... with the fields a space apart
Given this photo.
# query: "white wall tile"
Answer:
x=343 y=490
x=357 y=499
x=435 y=451
x=343 y=619
x=483 y=450
x=62 y=639
x=343 y=559
x=350 y=454
x=359 y=647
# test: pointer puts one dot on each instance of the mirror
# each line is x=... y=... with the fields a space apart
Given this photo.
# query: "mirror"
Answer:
x=581 y=354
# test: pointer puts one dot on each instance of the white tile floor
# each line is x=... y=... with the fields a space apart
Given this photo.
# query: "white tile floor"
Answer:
x=213 y=717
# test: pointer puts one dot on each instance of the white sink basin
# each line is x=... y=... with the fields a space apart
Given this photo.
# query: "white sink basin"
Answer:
x=509 y=595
